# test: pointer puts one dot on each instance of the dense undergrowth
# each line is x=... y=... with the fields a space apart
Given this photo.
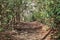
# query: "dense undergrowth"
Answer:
x=44 y=11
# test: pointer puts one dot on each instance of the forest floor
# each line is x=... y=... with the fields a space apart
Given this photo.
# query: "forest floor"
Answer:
x=27 y=31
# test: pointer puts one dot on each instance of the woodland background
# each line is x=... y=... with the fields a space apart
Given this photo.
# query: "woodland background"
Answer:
x=44 y=11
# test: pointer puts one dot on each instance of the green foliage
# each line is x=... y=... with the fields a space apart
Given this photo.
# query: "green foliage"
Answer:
x=1 y=29
x=46 y=10
x=7 y=9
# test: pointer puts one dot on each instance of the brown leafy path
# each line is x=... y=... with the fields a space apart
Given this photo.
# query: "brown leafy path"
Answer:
x=27 y=31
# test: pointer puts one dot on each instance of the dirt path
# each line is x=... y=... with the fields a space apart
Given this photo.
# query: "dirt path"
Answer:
x=27 y=31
